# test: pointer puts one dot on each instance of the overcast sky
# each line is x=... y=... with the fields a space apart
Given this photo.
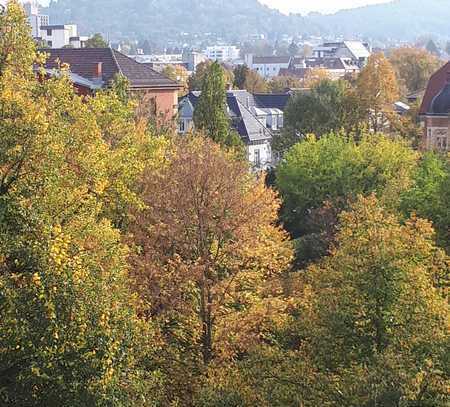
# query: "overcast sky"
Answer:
x=324 y=6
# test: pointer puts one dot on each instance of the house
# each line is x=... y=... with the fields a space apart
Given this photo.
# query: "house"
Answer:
x=101 y=65
x=256 y=117
x=435 y=111
x=268 y=67
x=357 y=51
x=59 y=36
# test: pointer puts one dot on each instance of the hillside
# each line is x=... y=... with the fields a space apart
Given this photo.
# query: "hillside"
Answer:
x=401 y=19
x=168 y=19
x=173 y=20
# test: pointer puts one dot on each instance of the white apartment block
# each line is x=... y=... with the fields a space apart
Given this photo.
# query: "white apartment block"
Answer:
x=59 y=36
x=222 y=53
x=268 y=67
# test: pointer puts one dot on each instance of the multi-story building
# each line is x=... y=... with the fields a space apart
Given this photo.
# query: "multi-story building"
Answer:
x=222 y=53
x=35 y=19
x=435 y=111
x=267 y=67
x=255 y=117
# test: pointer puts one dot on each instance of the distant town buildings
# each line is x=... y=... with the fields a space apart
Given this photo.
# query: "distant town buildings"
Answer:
x=269 y=66
x=52 y=35
x=222 y=53
x=355 y=51
x=435 y=111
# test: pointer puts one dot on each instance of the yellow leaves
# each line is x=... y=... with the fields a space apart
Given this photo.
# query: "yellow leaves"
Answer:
x=36 y=279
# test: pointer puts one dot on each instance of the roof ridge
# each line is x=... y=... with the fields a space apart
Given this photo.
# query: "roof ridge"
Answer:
x=113 y=53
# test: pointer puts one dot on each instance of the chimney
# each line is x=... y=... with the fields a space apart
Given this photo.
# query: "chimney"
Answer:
x=98 y=70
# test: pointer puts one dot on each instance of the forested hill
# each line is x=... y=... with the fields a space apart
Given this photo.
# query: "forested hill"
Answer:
x=400 y=19
x=165 y=20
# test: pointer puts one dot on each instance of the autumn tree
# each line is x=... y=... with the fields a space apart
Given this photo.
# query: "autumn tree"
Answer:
x=281 y=83
x=314 y=76
x=96 y=41
x=178 y=73
x=255 y=83
x=373 y=310
x=207 y=264
x=69 y=332
x=195 y=81
x=210 y=115
x=413 y=67
x=377 y=90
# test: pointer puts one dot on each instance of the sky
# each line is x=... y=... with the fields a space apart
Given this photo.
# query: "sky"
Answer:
x=323 y=6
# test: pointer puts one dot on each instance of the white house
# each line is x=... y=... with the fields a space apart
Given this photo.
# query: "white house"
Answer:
x=35 y=19
x=267 y=67
x=222 y=53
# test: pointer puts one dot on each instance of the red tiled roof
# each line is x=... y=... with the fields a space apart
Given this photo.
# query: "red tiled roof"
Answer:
x=436 y=83
x=83 y=61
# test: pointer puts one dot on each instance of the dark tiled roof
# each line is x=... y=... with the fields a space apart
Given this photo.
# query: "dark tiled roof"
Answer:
x=240 y=104
x=436 y=83
x=83 y=62
x=271 y=60
x=272 y=100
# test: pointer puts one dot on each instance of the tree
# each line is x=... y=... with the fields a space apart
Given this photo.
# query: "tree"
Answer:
x=96 y=41
x=377 y=90
x=195 y=81
x=372 y=310
x=210 y=115
x=413 y=67
x=314 y=76
x=240 y=76
x=70 y=334
x=255 y=83
x=207 y=264
x=428 y=196
x=329 y=106
x=281 y=83
x=318 y=178
x=178 y=73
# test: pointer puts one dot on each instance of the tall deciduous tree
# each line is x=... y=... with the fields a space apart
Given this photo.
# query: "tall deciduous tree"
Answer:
x=255 y=83
x=209 y=261
x=413 y=67
x=378 y=89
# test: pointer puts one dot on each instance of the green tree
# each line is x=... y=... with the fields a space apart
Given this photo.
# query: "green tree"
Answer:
x=329 y=107
x=210 y=115
x=318 y=178
x=240 y=76
x=96 y=41
x=429 y=194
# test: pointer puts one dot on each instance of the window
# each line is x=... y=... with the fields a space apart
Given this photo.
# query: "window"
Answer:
x=49 y=33
x=50 y=43
x=257 y=154
x=182 y=127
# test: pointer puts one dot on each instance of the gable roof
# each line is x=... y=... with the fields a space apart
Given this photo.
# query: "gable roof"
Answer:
x=436 y=83
x=83 y=62
x=271 y=60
